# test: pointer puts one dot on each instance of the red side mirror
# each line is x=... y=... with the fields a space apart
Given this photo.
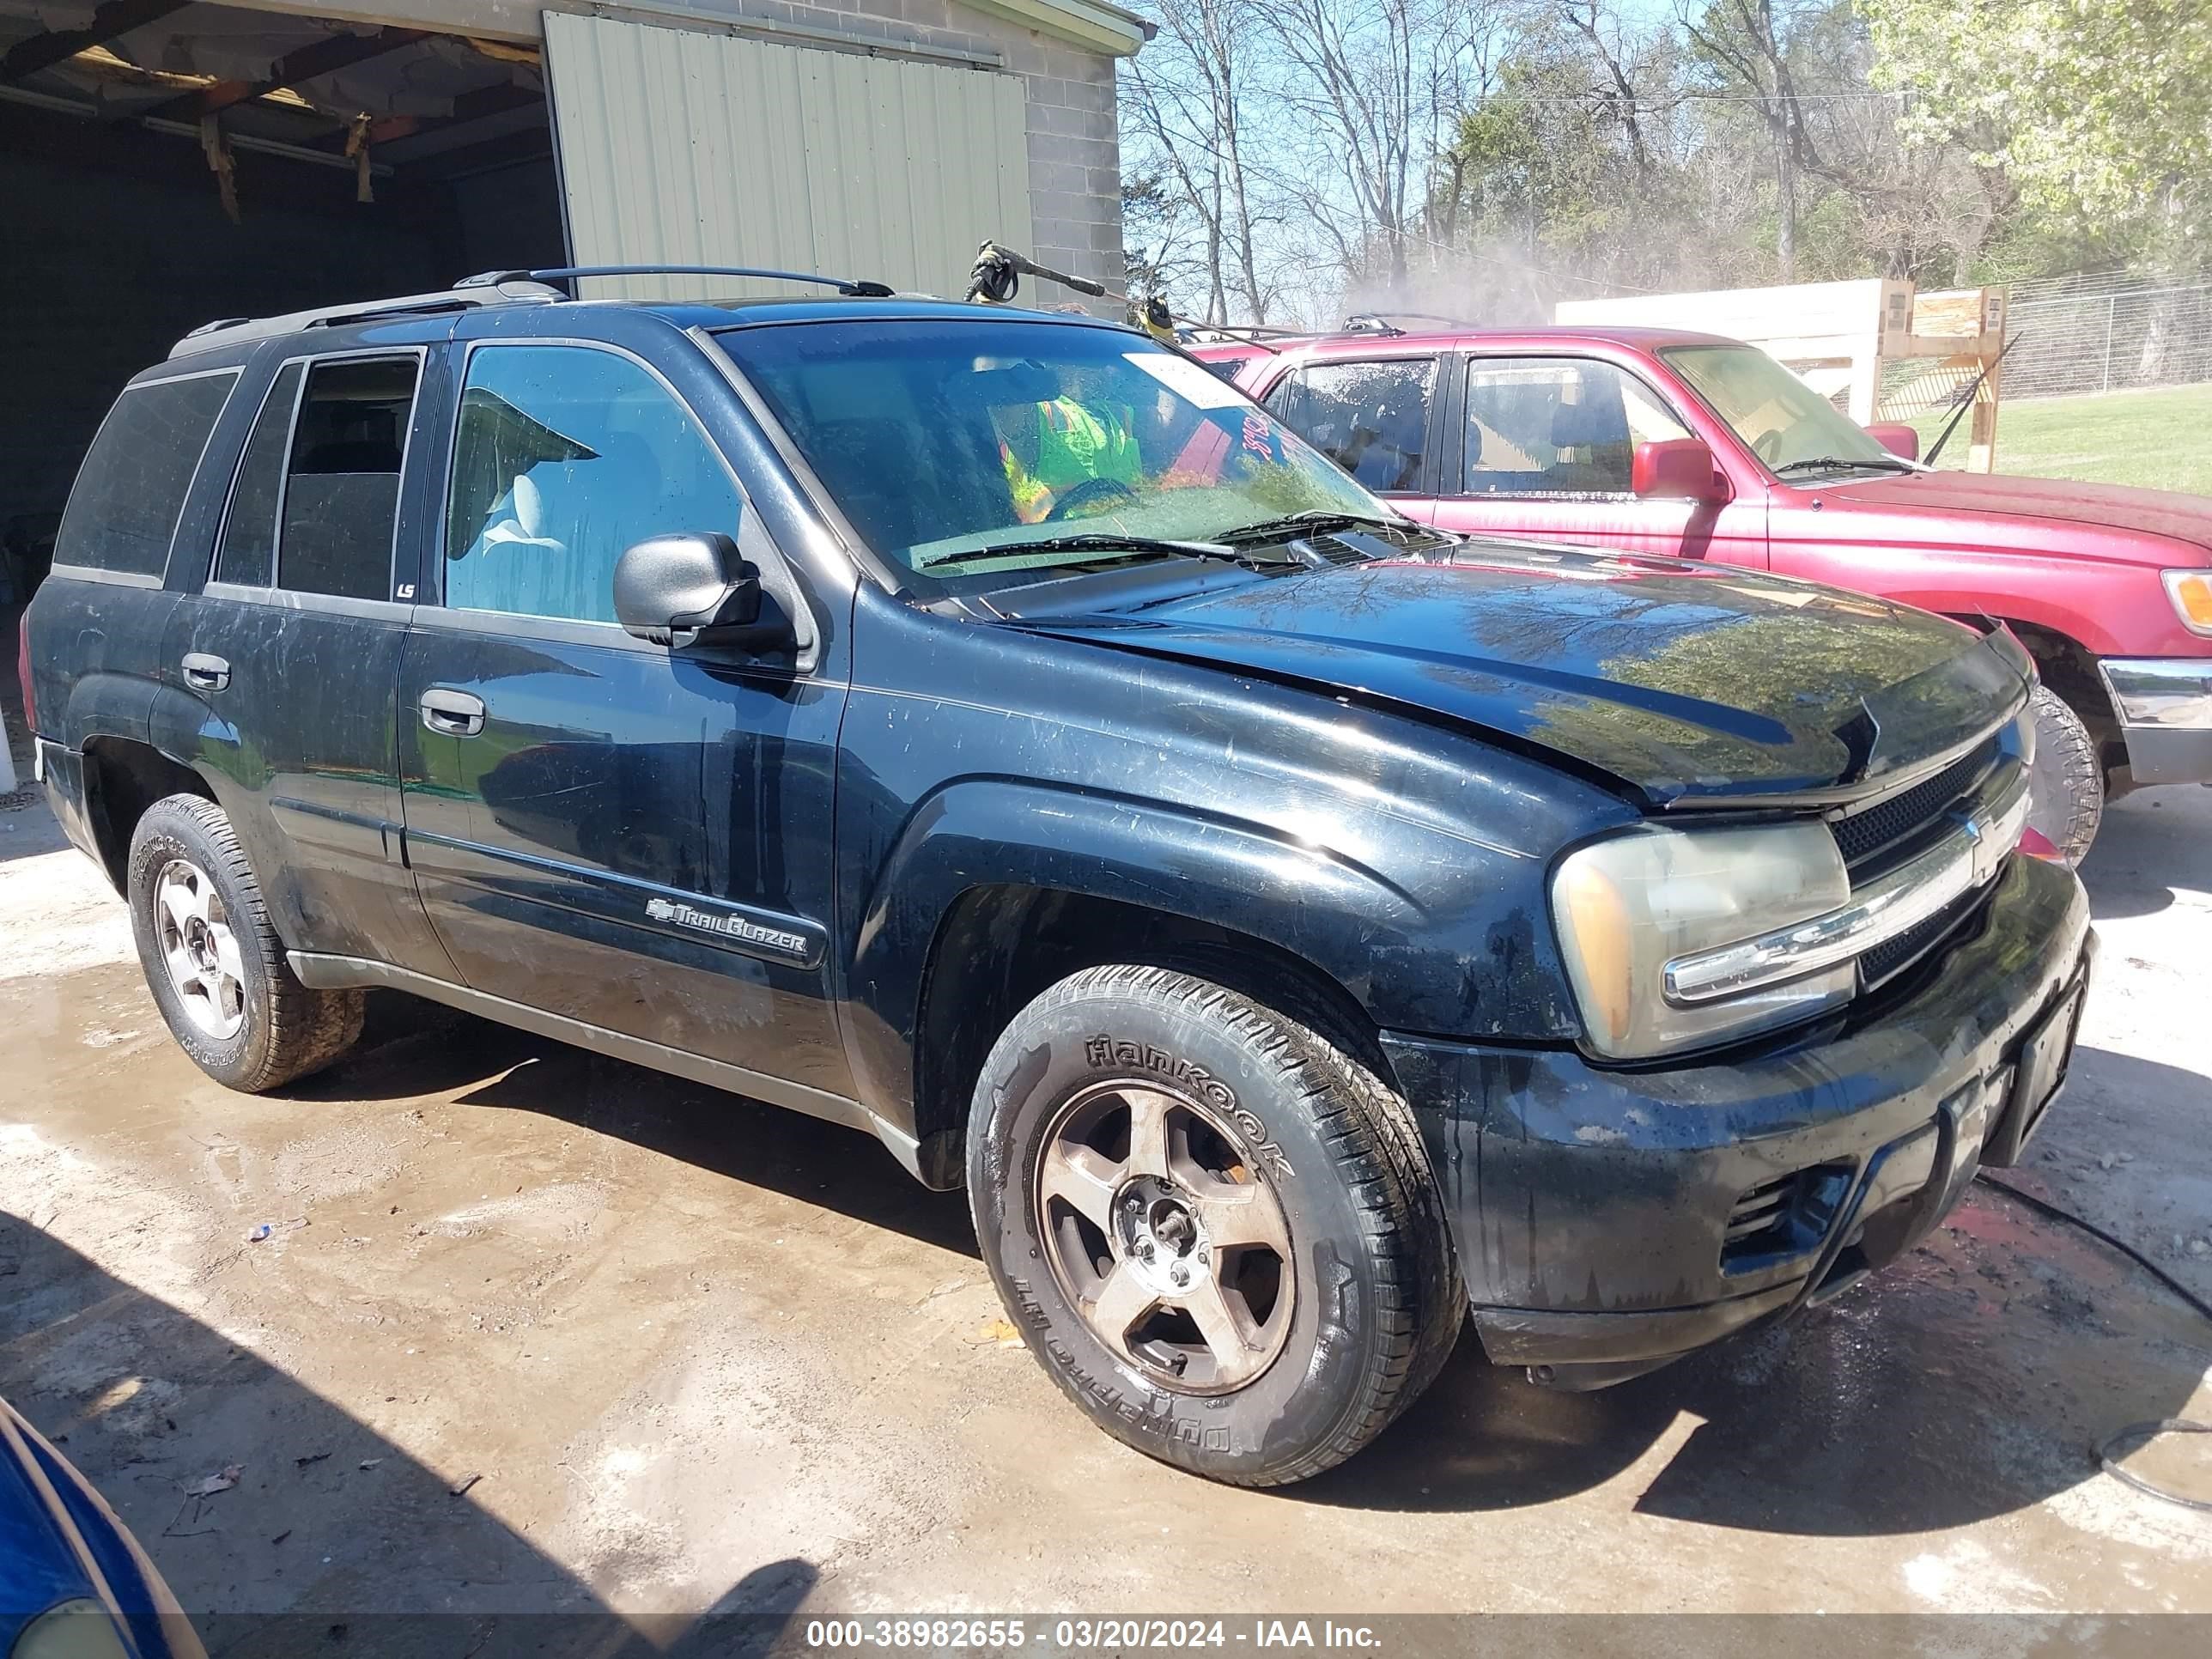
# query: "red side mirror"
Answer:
x=1897 y=438
x=1678 y=469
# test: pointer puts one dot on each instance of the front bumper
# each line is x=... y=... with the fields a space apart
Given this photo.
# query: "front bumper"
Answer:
x=1610 y=1220
x=2165 y=706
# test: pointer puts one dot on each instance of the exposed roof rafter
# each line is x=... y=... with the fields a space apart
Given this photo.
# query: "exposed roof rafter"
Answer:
x=474 y=106
x=322 y=57
x=42 y=52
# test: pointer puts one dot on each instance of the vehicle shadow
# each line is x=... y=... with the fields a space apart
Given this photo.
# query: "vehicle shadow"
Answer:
x=2150 y=844
x=1967 y=1381
x=332 y=1534
x=29 y=830
x=1970 y=1382
x=411 y=1048
x=2118 y=1084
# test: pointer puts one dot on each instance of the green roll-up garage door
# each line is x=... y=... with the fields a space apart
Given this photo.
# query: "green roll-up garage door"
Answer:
x=682 y=146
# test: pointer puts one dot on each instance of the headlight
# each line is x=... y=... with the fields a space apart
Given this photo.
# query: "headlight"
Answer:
x=1627 y=907
x=2191 y=594
x=75 y=1630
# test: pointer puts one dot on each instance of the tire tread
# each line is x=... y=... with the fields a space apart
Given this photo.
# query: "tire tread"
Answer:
x=307 y=1029
x=1370 y=1136
x=2068 y=766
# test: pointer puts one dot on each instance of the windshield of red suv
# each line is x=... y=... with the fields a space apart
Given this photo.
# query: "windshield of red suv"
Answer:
x=958 y=447
x=1788 y=426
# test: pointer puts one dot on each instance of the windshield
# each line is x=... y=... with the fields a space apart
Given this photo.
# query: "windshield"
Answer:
x=1785 y=421
x=941 y=438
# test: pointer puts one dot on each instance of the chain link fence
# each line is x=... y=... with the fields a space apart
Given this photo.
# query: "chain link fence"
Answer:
x=2089 y=334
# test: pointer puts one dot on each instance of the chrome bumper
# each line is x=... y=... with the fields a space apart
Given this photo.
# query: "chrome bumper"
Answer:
x=2165 y=706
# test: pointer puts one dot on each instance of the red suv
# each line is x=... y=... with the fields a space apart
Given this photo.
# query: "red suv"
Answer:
x=1657 y=441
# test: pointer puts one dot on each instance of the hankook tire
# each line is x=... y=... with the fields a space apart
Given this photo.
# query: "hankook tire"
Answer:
x=1216 y=1231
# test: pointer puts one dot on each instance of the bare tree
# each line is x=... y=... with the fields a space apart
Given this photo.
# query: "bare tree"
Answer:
x=1619 y=94
x=1373 y=90
x=1292 y=156
x=1746 y=44
x=1185 y=96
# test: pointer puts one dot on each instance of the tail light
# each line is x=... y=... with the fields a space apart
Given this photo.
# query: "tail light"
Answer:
x=23 y=671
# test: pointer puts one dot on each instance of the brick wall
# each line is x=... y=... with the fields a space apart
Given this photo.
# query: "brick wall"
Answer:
x=1074 y=155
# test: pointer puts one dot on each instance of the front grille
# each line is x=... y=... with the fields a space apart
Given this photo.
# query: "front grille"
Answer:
x=1865 y=836
x=1892 y=956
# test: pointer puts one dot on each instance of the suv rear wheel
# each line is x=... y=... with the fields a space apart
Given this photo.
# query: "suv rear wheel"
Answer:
x=213 y=960
x=1217 y=1229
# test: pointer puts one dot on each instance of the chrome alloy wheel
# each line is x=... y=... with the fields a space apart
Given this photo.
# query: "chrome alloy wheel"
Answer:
x=199 y=950
x=1164 y=1236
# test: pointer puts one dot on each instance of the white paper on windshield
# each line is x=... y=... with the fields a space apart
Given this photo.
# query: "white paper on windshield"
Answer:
x=1186 y=379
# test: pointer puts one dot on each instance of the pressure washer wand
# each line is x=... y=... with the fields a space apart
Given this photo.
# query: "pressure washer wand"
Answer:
x=997 y=278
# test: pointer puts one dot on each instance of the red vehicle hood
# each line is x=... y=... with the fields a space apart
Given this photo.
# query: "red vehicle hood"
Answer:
x=2013 y=507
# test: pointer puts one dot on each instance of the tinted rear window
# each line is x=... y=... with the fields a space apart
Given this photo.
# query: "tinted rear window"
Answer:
x=247 y=552
x=123 y=513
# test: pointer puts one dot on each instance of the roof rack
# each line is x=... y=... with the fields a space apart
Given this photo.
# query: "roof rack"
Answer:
x=482 y=292
x=1436 y=317
x=1383 y=322
x=860 y=288
x=490 y=288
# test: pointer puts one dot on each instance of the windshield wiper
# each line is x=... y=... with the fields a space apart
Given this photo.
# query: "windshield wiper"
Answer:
x=1092 y=542
x=1313 y=521
x=1837 y=464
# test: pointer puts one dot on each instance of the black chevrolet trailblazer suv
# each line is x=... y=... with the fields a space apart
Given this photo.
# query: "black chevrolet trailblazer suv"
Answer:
x=1299 y=930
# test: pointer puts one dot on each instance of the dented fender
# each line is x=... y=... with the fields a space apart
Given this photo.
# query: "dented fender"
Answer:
x=1348 y=922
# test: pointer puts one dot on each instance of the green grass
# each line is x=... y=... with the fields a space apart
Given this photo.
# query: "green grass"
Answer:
x=2161 y=439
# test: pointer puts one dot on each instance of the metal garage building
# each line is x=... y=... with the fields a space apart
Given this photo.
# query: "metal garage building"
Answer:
x=164 y=162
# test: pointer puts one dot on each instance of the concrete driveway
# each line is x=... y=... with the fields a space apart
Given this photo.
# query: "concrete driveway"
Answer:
x=533 y=1330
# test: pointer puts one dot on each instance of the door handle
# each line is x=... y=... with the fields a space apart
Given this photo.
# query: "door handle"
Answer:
x=455 y=714
x=205 y=673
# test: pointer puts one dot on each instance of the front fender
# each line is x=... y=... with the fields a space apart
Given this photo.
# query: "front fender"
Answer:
x=2068 y=615
x=1424 y=955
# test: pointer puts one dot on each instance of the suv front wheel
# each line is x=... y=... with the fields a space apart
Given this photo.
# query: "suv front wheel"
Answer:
x=1217 y=1230
x=2066 y=783
x=213 y=960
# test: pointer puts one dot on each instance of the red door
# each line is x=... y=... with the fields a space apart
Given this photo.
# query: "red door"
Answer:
x=1539 y=445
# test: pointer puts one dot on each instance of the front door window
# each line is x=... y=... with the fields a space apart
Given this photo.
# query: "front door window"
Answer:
x=1556 y=426
x=564 y=459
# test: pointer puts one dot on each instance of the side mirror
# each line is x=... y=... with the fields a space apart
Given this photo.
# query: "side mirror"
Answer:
x=694 y=590
x=1897 y=438
x=1677 y=469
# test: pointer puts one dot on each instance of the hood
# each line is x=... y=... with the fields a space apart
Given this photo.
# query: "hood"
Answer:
x=2112 y=521
x=1692 y=683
